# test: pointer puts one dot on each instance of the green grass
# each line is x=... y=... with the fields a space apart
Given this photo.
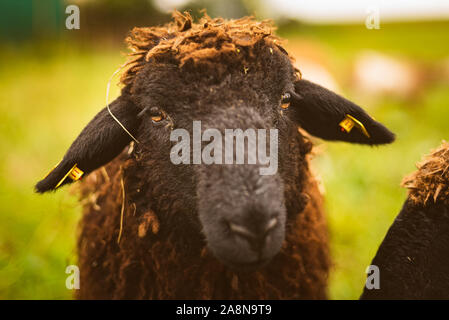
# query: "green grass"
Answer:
x=425 y=41
x=45 y=102
x=48 y=93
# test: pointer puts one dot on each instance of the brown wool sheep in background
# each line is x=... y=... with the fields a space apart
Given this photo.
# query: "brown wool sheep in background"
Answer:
x=154 y=229
x=413 y=258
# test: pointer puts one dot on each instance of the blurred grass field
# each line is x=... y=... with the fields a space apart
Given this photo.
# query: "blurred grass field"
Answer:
x=48 y=92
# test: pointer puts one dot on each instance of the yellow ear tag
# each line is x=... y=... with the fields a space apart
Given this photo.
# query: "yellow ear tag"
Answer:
x=347 y=124
x=350 y=122
x=75 y=174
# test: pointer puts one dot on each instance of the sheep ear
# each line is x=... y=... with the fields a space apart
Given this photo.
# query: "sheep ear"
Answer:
x=329 y=116
x=98 y=143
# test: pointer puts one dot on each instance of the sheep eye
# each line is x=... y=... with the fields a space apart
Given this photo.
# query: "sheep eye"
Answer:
x=157 y=118
x=156 y=115
x=285 y=100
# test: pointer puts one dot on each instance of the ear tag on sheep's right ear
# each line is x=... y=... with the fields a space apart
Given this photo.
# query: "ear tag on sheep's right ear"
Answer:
x=350 y=122
x=75 y=174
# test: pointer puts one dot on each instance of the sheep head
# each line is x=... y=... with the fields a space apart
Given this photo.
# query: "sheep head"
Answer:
x=218 y=75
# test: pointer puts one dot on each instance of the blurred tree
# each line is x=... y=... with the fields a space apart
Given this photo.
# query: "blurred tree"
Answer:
x=26 y=19
x=114 y=18
x=226 y=9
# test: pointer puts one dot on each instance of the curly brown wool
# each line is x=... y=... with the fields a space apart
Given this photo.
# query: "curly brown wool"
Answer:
x=153 y=268
x=431 y=181
x=210 y=42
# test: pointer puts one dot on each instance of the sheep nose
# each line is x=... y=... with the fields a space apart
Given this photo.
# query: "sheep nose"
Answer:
x=256 y=236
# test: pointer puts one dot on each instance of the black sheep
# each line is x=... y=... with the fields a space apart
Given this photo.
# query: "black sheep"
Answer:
x=413 y=259
x=155 y=229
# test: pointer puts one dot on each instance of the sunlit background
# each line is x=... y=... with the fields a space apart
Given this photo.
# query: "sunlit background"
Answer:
x=391 y=57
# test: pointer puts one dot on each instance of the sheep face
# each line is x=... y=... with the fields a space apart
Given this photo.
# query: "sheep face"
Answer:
x=240 y=210
x=241 y=213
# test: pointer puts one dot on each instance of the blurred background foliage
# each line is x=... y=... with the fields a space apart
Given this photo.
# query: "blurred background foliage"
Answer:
x=53 y=80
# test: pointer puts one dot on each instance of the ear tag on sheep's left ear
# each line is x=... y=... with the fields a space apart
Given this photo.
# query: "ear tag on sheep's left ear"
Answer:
x=350 y=122
x=75 y=174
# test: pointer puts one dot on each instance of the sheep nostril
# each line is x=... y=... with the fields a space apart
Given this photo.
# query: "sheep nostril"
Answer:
x=250 y=235
x=271 y=225
x=241 y=231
